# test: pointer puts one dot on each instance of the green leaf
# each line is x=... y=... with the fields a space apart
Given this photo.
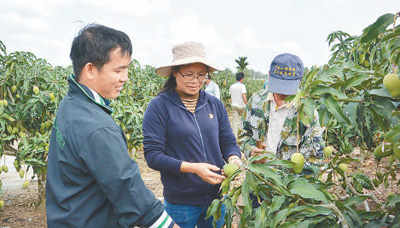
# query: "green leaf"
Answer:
x=282 y=163
x=391 y=34
x=382 y=108
x=354 y=200
x=308 y=211
x=245 y=194
x=378 y=27
x=354 y=215
x=394 y=134
x=364 y=180
x=319 y=210
x=393 y=200
x=327 y=75
x=212 y=209
x=280 y=216
x=305 y=208
x=261 y=215
x=348 y=160
x=356 y=80
x=277 y=202
x=333 y=107
x=35 y=162
x=304 y=189
x=262 y=157
x=291 y=223
x=321 y=90
x=267 y=172
x=350 y=111
x=323 y=116
x=382 y=92
x=302 y=115
x=309 y=109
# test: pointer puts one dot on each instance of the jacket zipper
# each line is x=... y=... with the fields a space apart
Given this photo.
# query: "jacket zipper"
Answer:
x=201 y=137
x=202 y=143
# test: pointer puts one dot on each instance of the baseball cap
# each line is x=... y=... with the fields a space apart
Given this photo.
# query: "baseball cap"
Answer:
x=285 y=72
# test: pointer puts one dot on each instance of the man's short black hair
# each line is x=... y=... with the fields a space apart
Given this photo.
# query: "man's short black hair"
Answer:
x=239 y=76
x=94 y=44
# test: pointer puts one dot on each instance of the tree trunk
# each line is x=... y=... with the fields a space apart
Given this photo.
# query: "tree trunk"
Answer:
x=41 y=204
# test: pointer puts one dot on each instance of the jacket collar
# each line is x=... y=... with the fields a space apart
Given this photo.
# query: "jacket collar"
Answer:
x=172 y=96
x=76 y=87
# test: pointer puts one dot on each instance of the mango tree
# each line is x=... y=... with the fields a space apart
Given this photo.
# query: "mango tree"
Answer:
x=30 y=89
x=357 y=111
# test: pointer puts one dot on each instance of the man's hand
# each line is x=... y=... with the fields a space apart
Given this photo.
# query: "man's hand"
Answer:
x=176 y=226
x=257 y=151
x=204 y=171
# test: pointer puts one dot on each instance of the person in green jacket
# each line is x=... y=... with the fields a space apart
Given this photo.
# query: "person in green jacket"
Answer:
x=91 y=180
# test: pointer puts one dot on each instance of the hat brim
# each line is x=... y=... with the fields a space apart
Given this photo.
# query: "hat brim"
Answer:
x=167 y=70
x=284 y=87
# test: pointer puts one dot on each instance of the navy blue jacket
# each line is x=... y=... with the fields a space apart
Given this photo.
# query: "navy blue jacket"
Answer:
x=172 y=134
x=91 y=180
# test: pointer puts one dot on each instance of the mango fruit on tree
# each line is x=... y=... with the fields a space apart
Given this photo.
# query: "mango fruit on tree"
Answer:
x=230 y=168
x=36 y=89
x=25 y=184
x=383 y=150
x=344 y=167
x=298 y=160
x=328 y=151
x=392 y=84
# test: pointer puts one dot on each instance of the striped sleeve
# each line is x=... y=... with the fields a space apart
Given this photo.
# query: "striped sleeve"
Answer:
x=164 y=221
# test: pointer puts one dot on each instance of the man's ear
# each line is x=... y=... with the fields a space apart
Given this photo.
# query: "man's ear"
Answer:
x=89 y=70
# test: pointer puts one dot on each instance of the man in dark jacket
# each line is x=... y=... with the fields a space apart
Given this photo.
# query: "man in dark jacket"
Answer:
x=91 y=180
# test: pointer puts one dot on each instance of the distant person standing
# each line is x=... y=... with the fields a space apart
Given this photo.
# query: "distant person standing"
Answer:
x=265 y=84
x=212 y=87
x=239 y=100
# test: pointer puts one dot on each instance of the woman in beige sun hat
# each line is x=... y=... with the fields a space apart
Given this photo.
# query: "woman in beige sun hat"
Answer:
x=188 y=137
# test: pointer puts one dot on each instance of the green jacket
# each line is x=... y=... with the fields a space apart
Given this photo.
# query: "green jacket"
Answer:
x=254 y=126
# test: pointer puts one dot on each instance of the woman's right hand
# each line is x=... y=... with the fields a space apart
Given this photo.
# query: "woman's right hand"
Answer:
x=204 y=170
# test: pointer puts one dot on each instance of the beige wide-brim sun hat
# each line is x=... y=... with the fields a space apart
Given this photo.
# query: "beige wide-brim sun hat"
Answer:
x=187 y=53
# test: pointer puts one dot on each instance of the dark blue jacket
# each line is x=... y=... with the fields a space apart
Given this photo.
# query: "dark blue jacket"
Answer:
x=91 y=180
x=172 y=135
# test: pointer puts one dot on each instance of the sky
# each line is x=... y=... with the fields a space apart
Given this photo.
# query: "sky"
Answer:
x=229 y=29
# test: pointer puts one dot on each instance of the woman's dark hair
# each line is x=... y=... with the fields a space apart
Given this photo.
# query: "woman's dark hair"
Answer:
x=171 y=81
x=94 y=44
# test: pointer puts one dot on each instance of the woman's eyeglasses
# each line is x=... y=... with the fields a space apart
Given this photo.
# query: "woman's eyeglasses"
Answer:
x=189 y=77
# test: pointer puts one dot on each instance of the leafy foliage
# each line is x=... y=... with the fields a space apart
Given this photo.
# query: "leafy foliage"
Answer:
x=242 y=63
x=356 y=110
